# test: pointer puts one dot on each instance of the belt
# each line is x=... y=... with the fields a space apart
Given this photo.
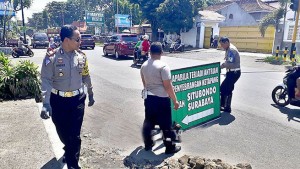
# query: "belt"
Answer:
x=67 y=94
x=232 y=70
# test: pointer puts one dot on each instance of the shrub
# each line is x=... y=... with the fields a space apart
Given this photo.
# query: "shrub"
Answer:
x=19 y=81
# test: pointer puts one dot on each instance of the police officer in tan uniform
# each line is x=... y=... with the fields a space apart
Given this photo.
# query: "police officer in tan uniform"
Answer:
x=233 y=68
x=63 y=75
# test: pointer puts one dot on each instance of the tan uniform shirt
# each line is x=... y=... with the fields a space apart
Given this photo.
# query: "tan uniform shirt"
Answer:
x=62 y=71
x=232 y=58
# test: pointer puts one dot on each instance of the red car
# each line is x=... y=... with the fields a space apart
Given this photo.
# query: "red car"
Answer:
x=120 y=45
x=87 y=40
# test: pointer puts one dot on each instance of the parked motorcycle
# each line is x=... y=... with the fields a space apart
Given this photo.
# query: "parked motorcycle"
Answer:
x=17 y=52
x=176 y=47
x=139 y=57
x=280 y=92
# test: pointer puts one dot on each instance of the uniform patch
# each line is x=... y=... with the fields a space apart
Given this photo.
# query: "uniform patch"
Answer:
x=47 y=61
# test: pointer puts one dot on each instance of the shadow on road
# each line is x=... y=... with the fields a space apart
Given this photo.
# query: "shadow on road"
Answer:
x=121 y=58
x=225 y=119
x=52 y=164
x=292 y=114
x=140 y=158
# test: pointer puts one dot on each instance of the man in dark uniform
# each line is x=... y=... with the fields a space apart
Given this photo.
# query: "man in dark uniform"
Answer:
x=233 y=68
x=158 y=93
x=63 y=92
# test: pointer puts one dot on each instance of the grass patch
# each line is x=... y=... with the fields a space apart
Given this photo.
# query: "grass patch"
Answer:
x=280 y=60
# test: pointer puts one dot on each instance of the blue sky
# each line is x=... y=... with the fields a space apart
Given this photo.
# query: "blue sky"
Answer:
x=37 y=6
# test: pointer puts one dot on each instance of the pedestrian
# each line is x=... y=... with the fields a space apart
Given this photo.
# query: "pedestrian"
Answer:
x=63 y=92
x=232 y=65
x=158 y=90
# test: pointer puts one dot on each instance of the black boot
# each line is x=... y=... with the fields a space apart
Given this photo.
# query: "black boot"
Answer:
x=222 y=104
x=227 y=106
x=171 y=148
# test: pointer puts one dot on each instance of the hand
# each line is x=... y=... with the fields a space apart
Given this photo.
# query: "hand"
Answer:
x=46 y=111
x=91 y=100
x=176 y=104
x=222 y=65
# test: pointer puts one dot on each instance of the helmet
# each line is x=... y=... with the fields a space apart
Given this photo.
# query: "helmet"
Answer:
x=146 y=37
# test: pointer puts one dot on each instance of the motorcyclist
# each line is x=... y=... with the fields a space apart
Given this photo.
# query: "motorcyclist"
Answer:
x=52 y=44
x=291 y=83
x=138 y=47
x=145 y=46
x=177 y=43
x=21 y=45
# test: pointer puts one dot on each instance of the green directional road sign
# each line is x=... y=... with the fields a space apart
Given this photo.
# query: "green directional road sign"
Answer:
x=198 y=92
x=94 y=18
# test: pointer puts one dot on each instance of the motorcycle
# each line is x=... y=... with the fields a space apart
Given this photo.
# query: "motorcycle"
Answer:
x=17 y=52
x=175 y=46
x=139 y=58
x=280 y=92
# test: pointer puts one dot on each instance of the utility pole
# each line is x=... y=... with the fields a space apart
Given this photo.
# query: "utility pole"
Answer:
x=4 y=24
x=25 y=41
x=295 y=7
x=117 y=13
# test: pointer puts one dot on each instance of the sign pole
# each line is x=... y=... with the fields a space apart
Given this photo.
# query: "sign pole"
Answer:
x=23 y=21
x=294 y=36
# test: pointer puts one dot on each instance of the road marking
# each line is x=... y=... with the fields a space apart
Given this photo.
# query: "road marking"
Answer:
x=188 y=119
x=57 y=145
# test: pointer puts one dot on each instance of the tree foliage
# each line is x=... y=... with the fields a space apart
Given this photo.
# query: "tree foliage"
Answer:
x=273 y=19
x=174 y=19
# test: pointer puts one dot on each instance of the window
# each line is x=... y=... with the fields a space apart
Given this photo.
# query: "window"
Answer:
x=230 y=16
x=291 y=31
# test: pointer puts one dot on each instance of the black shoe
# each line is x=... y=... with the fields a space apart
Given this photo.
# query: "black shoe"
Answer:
x=172 y=151
x=227 y=110
x=149 y=147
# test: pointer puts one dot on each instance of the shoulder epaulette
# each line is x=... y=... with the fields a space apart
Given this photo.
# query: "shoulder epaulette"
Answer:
x=80 y=51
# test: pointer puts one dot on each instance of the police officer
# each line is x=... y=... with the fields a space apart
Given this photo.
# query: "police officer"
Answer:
x=63 y=93
x=233 y=68
x=158 y=89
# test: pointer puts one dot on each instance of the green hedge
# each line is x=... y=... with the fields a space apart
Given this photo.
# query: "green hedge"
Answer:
x=19 y=81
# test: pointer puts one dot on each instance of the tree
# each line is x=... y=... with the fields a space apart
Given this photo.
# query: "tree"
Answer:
x=56 y=12
x=175 y=15
x=273 y=19
x=37 y=21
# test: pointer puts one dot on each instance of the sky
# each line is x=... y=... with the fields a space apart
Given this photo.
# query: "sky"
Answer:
x=36 y=6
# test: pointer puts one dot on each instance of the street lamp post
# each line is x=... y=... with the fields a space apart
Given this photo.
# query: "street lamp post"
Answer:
x=4 y=24
x=25 y=41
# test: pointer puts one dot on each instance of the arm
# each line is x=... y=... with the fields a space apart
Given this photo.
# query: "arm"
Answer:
x=47 y=78
x=169 y=89
x=86 y=79
x=167 y=82
x=142 y=77
x=232 y=59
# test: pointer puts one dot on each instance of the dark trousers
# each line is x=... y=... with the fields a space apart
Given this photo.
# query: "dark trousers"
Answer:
x=227 y=85
x=67 y=116
x=291 y=83
x=158 y=112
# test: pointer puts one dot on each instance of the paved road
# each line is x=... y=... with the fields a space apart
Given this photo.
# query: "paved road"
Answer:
x=256 y=131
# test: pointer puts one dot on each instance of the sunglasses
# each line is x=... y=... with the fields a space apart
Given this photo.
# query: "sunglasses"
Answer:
x=77 y=40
